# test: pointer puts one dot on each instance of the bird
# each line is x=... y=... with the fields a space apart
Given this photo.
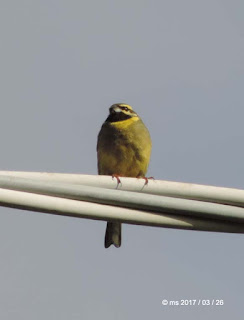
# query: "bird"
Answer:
x=123 y=150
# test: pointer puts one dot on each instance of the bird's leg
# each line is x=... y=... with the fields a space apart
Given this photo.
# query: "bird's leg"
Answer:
x=145 y=178
x=115 y=175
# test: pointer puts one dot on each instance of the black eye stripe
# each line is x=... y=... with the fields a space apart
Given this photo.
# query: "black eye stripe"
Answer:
x=125 y=108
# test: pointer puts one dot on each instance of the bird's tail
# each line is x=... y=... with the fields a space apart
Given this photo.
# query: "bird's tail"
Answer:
x=113 y=234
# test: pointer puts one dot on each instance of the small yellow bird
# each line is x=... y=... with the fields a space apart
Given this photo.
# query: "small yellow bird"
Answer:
x=123 y=150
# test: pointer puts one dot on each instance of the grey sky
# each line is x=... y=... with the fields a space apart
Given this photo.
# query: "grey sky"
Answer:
x=180 y=64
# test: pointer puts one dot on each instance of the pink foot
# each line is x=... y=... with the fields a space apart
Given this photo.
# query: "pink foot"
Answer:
x=117 y=177
x=146 y=179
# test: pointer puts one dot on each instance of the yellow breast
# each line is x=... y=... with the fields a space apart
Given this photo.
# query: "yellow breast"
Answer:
x=124 y=148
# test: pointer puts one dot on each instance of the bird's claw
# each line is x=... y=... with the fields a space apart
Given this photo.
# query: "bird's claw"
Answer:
x=118 y=179
x=146 y=179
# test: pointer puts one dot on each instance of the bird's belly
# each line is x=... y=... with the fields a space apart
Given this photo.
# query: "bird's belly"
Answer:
x=124 y=161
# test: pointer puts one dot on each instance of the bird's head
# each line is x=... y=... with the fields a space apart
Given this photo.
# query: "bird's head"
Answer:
x=120 y=112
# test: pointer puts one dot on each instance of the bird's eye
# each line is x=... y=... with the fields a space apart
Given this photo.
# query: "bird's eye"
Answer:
x=126 y=109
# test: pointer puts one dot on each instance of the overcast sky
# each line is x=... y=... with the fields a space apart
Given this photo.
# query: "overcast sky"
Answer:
x=180 y=64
